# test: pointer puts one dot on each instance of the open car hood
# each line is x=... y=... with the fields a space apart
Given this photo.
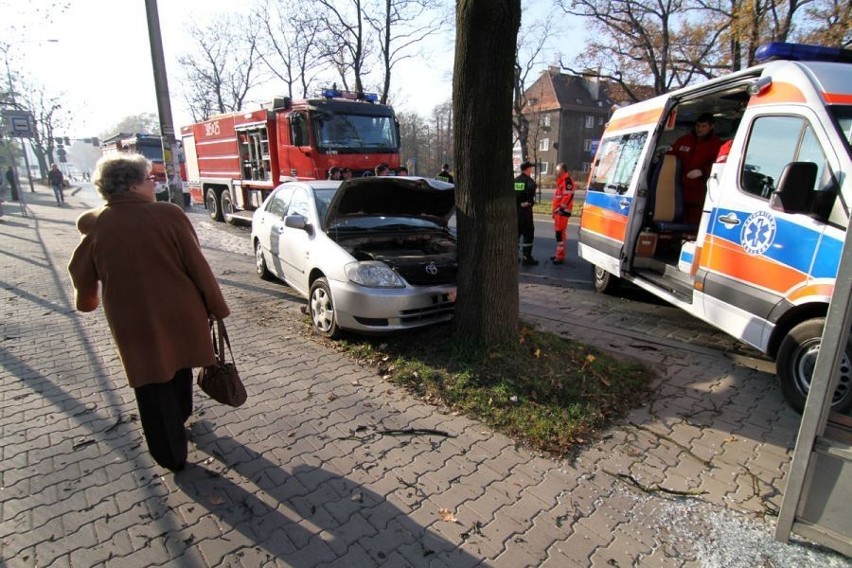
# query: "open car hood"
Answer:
x=392 y=197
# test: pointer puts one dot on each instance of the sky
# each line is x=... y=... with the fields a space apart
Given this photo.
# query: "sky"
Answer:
x=101 y=59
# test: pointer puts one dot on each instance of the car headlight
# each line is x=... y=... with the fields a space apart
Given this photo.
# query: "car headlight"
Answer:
x=374 y=274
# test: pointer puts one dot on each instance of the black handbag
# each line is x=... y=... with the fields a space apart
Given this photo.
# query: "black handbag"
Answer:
x=221 y=381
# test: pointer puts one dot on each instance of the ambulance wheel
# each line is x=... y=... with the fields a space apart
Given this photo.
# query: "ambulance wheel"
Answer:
x=795 y=366
x=604 y=281
x=321 y=309
x=260 y=262
x=227 y=206
x=212 y=202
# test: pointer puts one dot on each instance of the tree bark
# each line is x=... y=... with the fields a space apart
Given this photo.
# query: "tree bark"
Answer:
x=486 y=34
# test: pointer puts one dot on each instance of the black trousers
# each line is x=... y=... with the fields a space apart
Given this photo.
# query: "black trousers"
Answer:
x=163 y=410
x=526 y=230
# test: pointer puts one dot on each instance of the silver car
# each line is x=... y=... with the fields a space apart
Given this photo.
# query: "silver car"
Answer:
x=370 y=254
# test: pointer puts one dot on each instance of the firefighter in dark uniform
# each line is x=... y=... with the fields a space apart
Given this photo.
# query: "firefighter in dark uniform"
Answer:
x=525 y=198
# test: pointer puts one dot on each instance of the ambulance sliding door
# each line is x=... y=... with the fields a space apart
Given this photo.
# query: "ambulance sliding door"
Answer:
x=610 y=198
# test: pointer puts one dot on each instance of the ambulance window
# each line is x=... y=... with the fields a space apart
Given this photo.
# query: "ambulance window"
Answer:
x=616 y=162
x=774 y=142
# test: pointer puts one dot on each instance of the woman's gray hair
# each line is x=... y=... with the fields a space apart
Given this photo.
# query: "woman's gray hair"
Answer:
x=117 y=173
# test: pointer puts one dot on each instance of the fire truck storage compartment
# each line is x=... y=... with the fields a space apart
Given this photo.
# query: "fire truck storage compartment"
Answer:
x=254 y=153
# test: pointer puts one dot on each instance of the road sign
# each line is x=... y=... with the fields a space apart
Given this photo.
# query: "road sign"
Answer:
x=18 y=123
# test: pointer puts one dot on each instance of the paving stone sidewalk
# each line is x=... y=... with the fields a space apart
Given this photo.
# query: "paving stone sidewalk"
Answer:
x=302 y=475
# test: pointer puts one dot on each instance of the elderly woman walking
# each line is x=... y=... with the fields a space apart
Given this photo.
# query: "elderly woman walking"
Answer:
x=158 y=293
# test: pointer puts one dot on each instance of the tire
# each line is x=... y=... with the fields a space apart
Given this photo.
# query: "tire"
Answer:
x=260 y=262
x=227 y=206
x=795 y=365
x=604 y=281
x=211 y=200
x=321 y=309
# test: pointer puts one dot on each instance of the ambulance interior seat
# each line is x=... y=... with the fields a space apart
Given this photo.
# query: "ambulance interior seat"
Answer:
x=666 y=197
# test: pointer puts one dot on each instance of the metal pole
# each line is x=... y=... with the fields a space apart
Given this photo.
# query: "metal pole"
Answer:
x=29 y=173
x=164 y=108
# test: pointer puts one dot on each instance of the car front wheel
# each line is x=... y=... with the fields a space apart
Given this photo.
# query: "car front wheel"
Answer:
x=322 y=309
x=260 y=262
x=795 y=366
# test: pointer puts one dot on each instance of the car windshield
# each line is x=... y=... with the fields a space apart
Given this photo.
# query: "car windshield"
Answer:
x=337 y=131
x=322 y=197
x=843 y=114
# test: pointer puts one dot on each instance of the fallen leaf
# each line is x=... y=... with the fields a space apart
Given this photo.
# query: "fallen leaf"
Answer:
x=291 y=434
x=590 y=358
x=537 y=353
x=332 y=396
x=357 y=497
x=447 y=516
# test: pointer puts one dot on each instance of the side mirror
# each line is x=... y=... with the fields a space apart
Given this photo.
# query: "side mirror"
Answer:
x=795 y=190
x=296 y=222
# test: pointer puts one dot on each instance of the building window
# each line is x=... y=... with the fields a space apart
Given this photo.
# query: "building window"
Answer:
x=544 y=168
x=601 y=121
x=590 y=122
x=544 y=144
x=586 y=166
x=545 y=120
x=587 y=145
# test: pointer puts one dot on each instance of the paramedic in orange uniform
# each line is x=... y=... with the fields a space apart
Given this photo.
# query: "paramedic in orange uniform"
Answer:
x=561 y=207
x=697 y=152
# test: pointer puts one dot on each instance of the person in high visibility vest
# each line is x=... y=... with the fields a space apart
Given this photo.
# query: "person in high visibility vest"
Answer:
x=561 y=207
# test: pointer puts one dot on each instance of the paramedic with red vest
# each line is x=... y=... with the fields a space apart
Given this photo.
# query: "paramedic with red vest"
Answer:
x=696 y=152
x=561 y=206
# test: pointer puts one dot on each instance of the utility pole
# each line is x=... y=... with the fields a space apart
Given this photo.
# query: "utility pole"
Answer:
x=164 y=106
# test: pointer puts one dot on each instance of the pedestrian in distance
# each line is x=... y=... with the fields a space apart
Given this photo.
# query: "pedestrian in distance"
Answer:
x=345 y=174
x=382 y=169
x=696 y=152
x=445 y=175
x=334 y=173
x=402 y=171
x=13 y=184
x=159 y=296
x=57 y=184
x=561 y=207
x=525 y=188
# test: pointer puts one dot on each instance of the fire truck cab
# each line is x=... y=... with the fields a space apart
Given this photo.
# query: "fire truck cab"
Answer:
x=150 y=146
x=761 y=262
x=235 y=160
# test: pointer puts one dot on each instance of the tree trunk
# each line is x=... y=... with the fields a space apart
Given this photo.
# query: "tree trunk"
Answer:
x=486 y=34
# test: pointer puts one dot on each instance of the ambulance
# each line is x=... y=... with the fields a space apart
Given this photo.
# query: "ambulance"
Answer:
x=759 y=260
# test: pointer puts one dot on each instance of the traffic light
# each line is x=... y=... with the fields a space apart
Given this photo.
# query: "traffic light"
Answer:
x=57 y=141
x=96 y=142
x=61 y=153
x=67 y=141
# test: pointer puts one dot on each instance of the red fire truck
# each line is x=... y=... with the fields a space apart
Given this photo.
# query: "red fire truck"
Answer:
x=150 y=146
x=235 y=160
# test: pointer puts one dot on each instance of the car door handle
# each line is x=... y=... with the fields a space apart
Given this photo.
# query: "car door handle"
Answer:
x=729 y=220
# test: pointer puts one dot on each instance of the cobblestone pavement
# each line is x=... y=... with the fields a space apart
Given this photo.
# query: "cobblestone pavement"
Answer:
x=301 y=475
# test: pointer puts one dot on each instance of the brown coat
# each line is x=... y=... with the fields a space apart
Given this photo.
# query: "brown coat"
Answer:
x=157 y=286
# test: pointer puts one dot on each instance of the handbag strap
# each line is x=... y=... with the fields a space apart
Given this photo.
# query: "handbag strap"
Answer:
x=222 y=339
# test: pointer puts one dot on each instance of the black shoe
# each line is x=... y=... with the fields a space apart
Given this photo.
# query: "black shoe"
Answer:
x=529 y=261
x=555 y=261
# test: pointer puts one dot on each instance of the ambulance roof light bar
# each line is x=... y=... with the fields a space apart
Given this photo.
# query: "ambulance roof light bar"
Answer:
x=801 y=52
x=350 y=95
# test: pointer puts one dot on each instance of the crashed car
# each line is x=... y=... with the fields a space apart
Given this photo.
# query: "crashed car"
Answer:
x=370 y=254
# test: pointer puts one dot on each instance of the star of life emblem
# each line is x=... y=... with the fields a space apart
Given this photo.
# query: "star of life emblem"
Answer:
x=758 y=233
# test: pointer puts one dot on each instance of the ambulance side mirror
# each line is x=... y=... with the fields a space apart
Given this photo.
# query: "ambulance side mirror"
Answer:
x=795 y=190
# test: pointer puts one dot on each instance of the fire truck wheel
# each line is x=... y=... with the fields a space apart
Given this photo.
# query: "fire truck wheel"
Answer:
x=260 y=262
x=212 y=202
x=795 y=366
x=322 y=309
x=604 y=281
x=227 y=206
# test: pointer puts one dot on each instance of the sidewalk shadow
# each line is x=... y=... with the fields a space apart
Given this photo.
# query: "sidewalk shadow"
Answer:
x=294 y=508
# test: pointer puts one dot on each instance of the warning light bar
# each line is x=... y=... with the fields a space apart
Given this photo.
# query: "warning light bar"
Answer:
x=350 y=95
x=802 y=52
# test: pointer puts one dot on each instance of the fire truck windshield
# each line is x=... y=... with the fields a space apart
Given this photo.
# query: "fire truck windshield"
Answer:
x=355 y=132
